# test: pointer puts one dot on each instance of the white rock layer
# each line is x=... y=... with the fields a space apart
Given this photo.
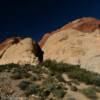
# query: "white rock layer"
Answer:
x=20 y=53
x=74 y=47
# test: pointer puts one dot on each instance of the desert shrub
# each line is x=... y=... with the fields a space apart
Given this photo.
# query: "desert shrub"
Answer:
x=58 y=67
x=73 y=71
x=28 y=67
x=73 y=88
x=85 y=76
x=70 y=97
x=43 y=93
x=50 y=87
x=55 y=88
x=37 y=69
x=8 y=67
x=19 y=73
x=97 y=80
x=50 y=64
x=81 y=75
x=89 y=92
x=59 y=92
x=75 y=81
x=31 y=89
x=96 y=88
x=34 y=77
x=23 y=85
x=46 y=93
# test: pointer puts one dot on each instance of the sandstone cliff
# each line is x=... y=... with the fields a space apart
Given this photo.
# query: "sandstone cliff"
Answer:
x=87 y=24
x=76 y=43
x=20 y=51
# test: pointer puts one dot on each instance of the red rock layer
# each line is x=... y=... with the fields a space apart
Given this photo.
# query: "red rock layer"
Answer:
x=87 y=24
x=9 y=42
x=44 y=38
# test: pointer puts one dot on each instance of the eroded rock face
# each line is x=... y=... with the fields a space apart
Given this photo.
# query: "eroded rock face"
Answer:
x=87 y=24
x=20 y=51
x=43 y=40
x=76 y=43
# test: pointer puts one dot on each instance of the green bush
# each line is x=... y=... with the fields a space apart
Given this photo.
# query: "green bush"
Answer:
x=23 y=85
x=75 y=81
x=97 y=80
x=59 y=93
x=34 y=77
x=19 y=73
x=55 y=88
x=52 y=65
x=73 y=71
x=58 y=67
x=50 y=87
x=8 y=67
x=89 y=92
x=31 y=89
x=44 y=93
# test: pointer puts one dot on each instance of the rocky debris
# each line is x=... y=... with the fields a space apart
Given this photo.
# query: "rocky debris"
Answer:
x=20 y=51
x=76 y=43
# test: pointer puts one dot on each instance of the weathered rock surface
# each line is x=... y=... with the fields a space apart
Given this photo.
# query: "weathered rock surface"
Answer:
x=87 y=24
x=20 y=51
x=76 y=43
x=43 y=40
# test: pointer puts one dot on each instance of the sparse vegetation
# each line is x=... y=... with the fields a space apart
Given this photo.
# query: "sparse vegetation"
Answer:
x=59 y=92
x=34 y=77
x=8 y=67
x=75 y=81
x=90 y=93
x=23 y=85
x=19 y=73
x=31 y=81
x=54 y=87
x=31 y=89
x=73 y=71
x=74 y=88
x=70 y=97
x=96 y=88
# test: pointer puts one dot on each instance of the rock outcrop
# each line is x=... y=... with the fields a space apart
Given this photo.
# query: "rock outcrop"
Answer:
x=87 y=24
x=76 y=43
x=20 y=51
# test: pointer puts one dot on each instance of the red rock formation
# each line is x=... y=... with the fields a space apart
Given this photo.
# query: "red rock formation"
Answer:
x=87 y=24
x=44 y=38
x=9 y=41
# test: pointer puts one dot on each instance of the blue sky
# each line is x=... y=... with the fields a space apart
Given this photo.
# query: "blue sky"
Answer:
x=36 y=17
